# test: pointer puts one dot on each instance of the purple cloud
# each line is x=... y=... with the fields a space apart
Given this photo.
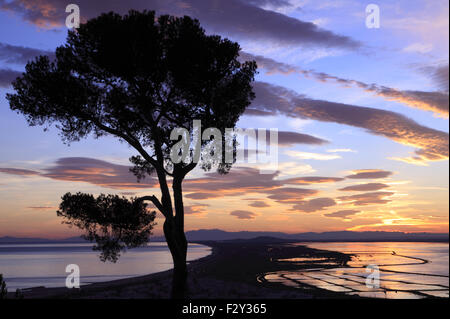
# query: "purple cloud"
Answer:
x=343 y=213
x=432 y=144
x=19 y=54
x=436 y=101
x=7 y=76
x=243 y=214
x=229 y=17
x=367 y=198
x=365 y=187
x=18 y=171
x=369 y=173
x=313 y=205
x=89 y=170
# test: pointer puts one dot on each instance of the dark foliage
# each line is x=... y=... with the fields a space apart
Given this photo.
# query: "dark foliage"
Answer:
x=113 y=222
x=136 y=77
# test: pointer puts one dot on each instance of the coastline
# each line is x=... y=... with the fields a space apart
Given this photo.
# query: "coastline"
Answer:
x=234 y=269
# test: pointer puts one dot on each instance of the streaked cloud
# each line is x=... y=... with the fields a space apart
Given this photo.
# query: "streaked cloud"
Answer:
x=20 y=54
x=307 y=180
x=312 y=156
x=97 y=172
x=292 y=138
x=196 y=208
x=290 y=195
x=201 y=195
x=364 y=187
x=344 y=214
x=88 y=170
x=414 y=160
x=287 y=138
x=341 y=150
x=237 y=182
x=418 y=47
x=236 y=17
x=439 y=74
x=7 y=76
x=43 y=207
x=18 y=171
x=436 y=101
x=259 y=204
x=255 y=112
x=313 y=205
x=432 y=144
x=367 y=198
x=243 y=214
x=369 y=173
x=292 y=168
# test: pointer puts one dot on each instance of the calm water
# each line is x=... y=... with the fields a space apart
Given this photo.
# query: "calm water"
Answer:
x=407 y=270
x=32 y=265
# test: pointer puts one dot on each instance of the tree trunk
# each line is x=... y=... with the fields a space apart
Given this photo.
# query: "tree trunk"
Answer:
x=178 y=248
x=174 y=231
x=180 y=268
x=179 y=281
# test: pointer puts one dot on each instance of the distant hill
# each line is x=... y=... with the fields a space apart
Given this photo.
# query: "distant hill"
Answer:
x=29 y=240
x=217 y=234
x=259 y=240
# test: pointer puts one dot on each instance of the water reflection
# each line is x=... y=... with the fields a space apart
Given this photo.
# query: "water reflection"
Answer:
x=407 y=270
x=33 y=265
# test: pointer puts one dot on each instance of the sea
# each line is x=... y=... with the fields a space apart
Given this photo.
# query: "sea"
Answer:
x=392 y=270
x=37 y=265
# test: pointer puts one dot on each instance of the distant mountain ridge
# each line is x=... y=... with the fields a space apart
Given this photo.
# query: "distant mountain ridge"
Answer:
x=219 y=235
x=31 y=240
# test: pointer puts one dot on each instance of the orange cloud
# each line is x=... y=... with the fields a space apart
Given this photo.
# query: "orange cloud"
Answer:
x=195 y=209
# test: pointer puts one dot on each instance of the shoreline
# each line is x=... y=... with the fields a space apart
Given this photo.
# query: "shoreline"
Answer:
x=217 y=275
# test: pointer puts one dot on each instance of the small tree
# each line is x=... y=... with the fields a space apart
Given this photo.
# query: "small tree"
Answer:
x=18 y=294
x=3 y=290
x=137 y=78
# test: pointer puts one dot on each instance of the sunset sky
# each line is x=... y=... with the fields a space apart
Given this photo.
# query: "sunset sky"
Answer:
x=362 y=116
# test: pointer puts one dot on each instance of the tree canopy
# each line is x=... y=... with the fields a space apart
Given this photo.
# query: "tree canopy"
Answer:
x=136 y=77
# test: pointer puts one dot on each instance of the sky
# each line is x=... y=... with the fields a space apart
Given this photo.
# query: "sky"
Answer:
x=362 y=115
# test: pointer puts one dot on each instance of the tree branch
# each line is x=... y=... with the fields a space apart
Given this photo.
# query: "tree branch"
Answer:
x=155 y=202
x=132 y=141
